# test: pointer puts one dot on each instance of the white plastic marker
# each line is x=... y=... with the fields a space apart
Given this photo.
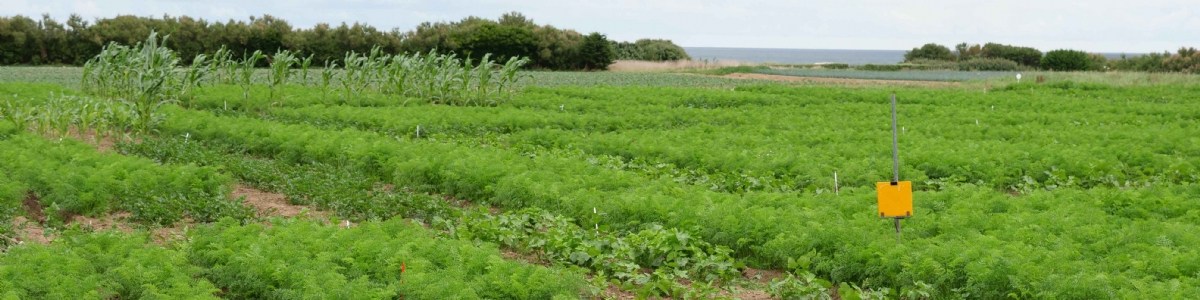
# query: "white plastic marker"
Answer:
x=418 y=131
x=186 y=136
x=835 y=184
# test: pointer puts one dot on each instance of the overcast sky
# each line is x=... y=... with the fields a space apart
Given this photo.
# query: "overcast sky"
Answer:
x=1095 y=26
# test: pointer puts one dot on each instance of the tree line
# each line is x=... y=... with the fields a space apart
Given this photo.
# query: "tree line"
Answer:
x=1000 y=57
x=45 y=41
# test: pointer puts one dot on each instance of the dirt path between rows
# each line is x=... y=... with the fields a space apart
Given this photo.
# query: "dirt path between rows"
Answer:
x=841 y=81
x=268 y=204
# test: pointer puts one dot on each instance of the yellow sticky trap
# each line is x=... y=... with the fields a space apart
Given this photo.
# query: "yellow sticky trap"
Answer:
x=895 y=201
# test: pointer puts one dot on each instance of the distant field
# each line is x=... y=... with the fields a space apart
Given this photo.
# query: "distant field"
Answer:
x=890 y=75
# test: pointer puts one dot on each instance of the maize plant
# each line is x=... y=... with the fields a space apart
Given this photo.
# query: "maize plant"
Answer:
x=281 y=69
x=16 y=113
x=193 y=78
x=223 y=65
x=305 y=63
x=145 y=75
x=441 y=78
x=327 y=74
x=246 y=72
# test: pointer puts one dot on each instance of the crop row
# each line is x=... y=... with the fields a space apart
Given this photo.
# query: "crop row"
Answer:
x=288 y=259
x=1047 y=139
x=337 y=188
x=835 y=236
x=669 y=255
x=71 y=178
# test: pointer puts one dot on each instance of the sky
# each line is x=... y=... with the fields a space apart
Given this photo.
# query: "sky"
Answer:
x=1095 y=26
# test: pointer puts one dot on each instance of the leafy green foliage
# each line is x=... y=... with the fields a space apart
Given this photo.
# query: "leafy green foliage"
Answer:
x=979 y=209
x=72 y=178
x=145 y=76
x=669 y=254
x=369 y=261
x=47 y=41
x=62 y=116
x=653 y=259
x=106 y=265
x=929 y=51
x=12 y=193
x=596 y=52
x=1067 y=60
x=1027 y=56
x=510 y=36
x=338 y=188
x=649 y=49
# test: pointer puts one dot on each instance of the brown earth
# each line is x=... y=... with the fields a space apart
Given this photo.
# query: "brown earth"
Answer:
x=30 y=230
x=26 y=230
x=268 y=203
x=841 y=81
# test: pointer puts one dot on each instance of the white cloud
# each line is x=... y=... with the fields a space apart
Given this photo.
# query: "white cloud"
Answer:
x=1102 y=25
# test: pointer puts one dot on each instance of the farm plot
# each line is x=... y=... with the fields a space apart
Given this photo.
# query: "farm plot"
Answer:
x=1064 y=190
x=1049 y=171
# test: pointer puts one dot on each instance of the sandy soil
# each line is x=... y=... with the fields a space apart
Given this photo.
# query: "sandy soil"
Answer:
x=841 y=81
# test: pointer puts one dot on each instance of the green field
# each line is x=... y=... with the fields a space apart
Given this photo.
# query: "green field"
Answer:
x=601 y=185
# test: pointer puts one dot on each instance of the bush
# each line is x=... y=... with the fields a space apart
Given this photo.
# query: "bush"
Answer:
x=25 y=40
x=649 y=49
x=988 y=64
x=595 y=52
x=929 y=51
x=1022 y=55
x=1067 y=60
x=1187 y=60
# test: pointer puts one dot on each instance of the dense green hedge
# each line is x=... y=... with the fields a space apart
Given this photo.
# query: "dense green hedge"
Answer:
x=34 y=41
x=1066 y=60
x=649 y=49
x=929 y=51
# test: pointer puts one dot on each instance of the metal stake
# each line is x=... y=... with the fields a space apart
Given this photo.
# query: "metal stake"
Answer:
x=895 y=146
x=895 y=161
x=897 y=221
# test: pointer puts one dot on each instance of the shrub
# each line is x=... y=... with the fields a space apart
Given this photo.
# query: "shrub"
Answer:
x=1098 y=62
x=1022 y=55
x=595 y=53
x=929 y=51
x=1067 y=60
x=649 y=49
